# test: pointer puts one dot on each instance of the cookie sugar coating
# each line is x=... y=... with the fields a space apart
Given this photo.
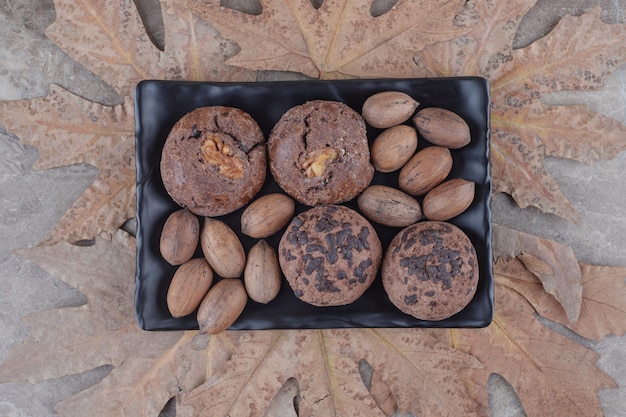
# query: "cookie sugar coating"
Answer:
x=214 y=160
x=329 y=255
x=430 y=270
x=319 y=153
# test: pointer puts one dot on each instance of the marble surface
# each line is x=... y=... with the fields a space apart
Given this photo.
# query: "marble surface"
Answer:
x=31 y=201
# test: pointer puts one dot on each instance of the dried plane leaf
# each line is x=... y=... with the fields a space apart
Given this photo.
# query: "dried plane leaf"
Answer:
x=523 y=137
x=379 y=390
x=260 y=362
x=148 y=368
x=551 y=374
x=544 y=15
x=197 y=47
x=142 y=386
x=553 y=263
x=108 y=37
x=535 y=265
x=282 y=404
x=70 y=130
x=603 y=309
x=579 y=54
x=426 y=377
x=486 y=50
x=325 y=363
x=339 y=39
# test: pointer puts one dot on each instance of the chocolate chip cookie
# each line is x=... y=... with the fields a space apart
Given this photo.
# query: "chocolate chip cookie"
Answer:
x=329 y=255
x=214 y=160
x=430 y=270
x=319 y=153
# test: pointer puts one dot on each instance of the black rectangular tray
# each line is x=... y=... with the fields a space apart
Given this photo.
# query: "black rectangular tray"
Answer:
x=159 y=104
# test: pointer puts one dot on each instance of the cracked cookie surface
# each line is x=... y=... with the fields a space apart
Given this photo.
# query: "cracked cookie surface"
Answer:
x=319 y=153
x=214 y=160
x=329 y=255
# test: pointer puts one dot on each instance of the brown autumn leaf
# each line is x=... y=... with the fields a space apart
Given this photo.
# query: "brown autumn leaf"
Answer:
x=108 y=38
x=603 y=310
x=426 y=378
x=579 y=54
x=282 y=404
x=378 y=388
x=197 y=48
x=148 y=368
x=340 y=39
x=551 y=374
x=70 y=130
x=326 y=366
x=553 y=263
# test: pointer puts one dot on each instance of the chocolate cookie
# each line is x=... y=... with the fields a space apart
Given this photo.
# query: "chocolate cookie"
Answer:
x=330 y=255
x=214 y=160
x=319 y=153
x=430 y=270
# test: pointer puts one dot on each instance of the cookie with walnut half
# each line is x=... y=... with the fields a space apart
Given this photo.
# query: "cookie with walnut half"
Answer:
x=430 y=270
x=329 y=255
x=319 y=153
x=214 y=160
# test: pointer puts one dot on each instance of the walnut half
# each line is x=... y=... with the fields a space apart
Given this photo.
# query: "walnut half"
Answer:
x=218 y=154
x=314 y=163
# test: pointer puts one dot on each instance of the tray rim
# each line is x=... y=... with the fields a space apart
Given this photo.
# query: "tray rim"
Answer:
x=476 y=323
